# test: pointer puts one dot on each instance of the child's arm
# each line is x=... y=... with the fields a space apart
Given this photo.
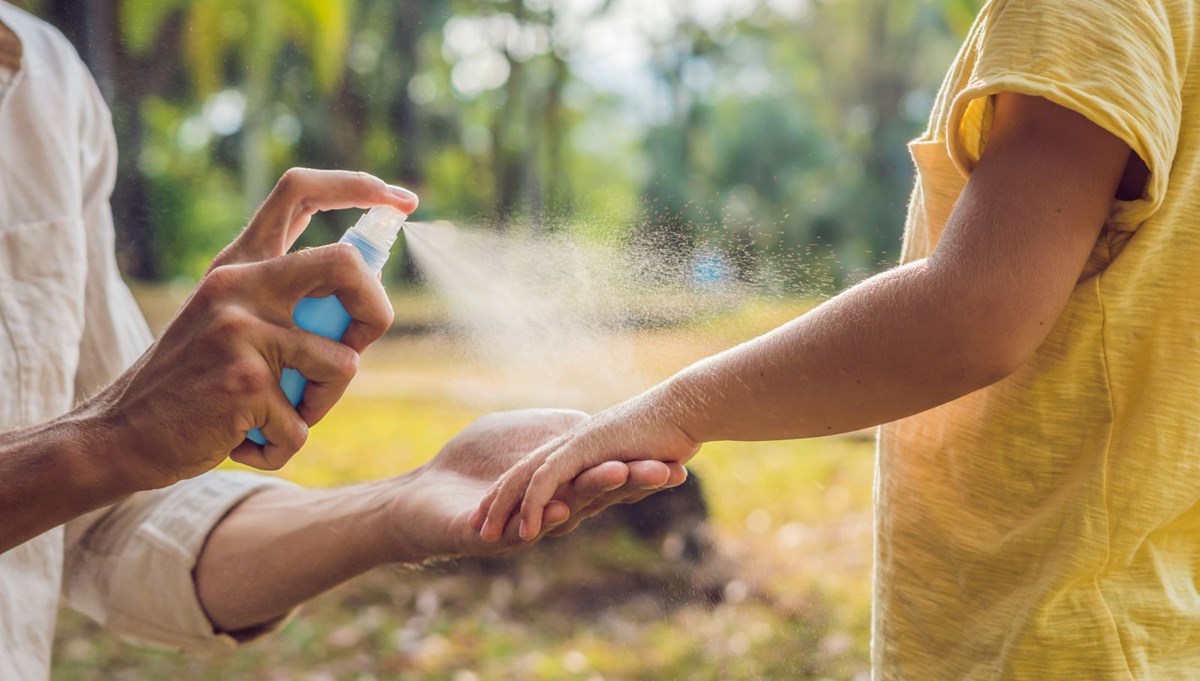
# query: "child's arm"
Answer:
x=900 y=343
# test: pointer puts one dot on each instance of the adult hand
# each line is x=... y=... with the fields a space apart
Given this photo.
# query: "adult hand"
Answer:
x=300 y=194
x=640 y=429
x=189 y=401
x=431 y=507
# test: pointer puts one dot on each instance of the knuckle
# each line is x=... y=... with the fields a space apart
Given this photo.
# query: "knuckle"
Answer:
x=346 y=363
x=290 y=440
x=232 y=322
x=298 y=436
x=541 y=476
x=370 y=180
x=291 y=179
x=225 y=257
x=343 y=260
x=340 y=361
x=388 y=315
x=219 y=282
x=573 y=417
x=245 y=377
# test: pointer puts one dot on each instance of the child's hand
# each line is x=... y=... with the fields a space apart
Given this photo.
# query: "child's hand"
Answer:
x=628 y=432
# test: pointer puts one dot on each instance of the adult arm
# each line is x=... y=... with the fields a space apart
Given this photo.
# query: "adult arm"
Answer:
x=898 y=344
x=188 y=402
x=283 y=546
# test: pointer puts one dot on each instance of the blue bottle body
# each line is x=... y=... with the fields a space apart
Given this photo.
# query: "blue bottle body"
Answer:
x=324 y=317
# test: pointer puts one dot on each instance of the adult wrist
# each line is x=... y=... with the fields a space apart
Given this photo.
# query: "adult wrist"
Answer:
x=101 y=454
x=79 y=450
x=377 y=540
x=407 y=522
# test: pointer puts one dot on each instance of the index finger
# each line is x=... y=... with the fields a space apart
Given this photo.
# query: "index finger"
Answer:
x=303 y=192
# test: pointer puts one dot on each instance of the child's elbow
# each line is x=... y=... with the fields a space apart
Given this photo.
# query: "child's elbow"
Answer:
x=994 y=351
x=1002 y=362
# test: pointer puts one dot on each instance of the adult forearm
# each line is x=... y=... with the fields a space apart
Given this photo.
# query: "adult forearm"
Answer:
x=54 y=472
x=896 y=345
x=280 y=547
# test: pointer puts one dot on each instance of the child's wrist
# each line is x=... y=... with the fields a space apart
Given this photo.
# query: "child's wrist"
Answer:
x=673 y=405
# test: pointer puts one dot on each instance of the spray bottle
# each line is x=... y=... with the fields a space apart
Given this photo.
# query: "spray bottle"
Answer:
x=373 y=236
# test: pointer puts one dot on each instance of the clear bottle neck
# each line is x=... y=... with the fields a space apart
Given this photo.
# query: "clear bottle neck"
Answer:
x=375 y=257
x=374 y=234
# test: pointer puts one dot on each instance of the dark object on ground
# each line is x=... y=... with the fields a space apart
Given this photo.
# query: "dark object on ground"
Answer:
x=659 y=552
x=676 y=520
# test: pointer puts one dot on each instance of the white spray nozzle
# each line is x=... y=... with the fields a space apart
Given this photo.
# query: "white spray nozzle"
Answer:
x=381 y=225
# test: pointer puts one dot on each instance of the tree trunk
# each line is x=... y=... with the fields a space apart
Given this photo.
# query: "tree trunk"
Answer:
x=887 y=79
x=555 y=194
x=256 y=162
x=92 y=27
x=506 y=151
x=406 y=35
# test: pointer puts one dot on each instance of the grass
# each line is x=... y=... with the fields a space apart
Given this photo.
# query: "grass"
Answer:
x=786 y=597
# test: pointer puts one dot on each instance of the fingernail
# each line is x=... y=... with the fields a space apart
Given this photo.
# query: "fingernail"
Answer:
x=609 y=488
x=403 y=193
x=521 y=530
x=646 y=487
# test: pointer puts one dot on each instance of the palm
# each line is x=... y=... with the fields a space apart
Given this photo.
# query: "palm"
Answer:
x=438 y=500
x=445 y=501
x=449 y=488
x=628 y=432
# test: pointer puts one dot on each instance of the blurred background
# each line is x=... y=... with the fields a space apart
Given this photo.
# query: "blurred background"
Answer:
x=759 y=133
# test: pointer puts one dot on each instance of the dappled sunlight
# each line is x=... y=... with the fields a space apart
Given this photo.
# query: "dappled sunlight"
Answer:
x=787 y=597
x=609 y=192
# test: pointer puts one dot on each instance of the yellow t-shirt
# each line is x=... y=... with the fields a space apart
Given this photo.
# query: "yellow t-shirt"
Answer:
x=1048 y=527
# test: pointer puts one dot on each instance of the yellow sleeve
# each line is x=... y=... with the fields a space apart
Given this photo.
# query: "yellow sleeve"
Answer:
x=1116 y=62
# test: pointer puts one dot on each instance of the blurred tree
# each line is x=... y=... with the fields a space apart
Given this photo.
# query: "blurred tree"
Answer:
x=248 y=38
x=754 y=127
x=803 y=114
x=124 y=80
x=524 y=116
x=960 y=14
x=676 y=196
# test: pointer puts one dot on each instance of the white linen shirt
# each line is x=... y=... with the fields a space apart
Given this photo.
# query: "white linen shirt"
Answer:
x=69 y=326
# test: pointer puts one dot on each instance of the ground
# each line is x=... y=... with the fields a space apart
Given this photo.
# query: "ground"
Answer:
x=787 y=596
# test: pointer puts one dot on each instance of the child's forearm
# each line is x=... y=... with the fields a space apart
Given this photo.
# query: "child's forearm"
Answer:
x=902 y=342
x=1007 y=261
x=910 y=339
x=898 y=344
x=1009 y=257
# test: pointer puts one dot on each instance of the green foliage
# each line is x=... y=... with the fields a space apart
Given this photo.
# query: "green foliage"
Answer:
x=753 y=135
x=219 y=32
x=142 y=20
x=325 y=27
x=960 y=14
